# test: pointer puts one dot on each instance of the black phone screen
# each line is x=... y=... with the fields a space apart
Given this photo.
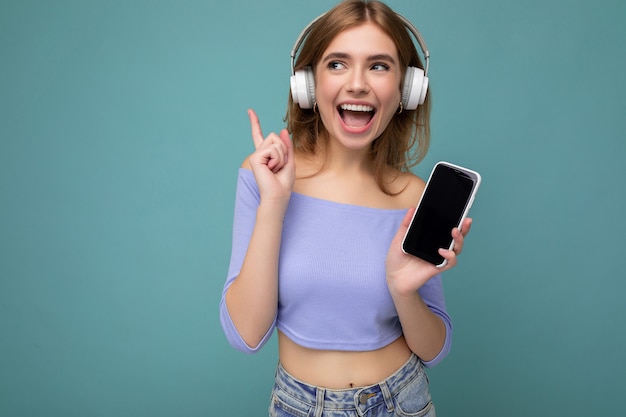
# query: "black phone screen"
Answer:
x=441 y=208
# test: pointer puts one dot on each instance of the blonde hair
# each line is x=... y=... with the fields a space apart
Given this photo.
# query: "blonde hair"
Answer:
x=405 y=141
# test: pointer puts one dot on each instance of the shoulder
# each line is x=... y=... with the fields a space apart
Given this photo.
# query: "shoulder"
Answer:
x=407 y=188
x=246 y=182
x=246 y=163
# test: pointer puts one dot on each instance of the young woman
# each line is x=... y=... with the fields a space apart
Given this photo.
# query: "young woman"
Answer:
x=319 y=220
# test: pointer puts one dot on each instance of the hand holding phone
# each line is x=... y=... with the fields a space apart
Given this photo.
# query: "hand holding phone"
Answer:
x=445 y=202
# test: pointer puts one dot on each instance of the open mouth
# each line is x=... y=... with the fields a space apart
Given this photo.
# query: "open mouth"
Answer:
x=356 y=115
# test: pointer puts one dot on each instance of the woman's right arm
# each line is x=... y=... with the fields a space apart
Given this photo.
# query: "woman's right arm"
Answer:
x=252 y=298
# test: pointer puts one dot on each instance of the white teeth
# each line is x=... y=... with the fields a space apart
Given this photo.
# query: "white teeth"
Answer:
x=356 y=107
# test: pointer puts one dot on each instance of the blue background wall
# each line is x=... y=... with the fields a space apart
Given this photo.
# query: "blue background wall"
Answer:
x=122 y=124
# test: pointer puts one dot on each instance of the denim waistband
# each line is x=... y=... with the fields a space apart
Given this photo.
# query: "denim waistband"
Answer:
x=344 y=399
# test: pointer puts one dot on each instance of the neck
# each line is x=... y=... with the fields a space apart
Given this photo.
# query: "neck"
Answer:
x=333 y=157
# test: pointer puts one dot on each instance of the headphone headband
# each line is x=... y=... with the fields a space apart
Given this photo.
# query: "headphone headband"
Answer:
x=410 y=26
x=414 y=88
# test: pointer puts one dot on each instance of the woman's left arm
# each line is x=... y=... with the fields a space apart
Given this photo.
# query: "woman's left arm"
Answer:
x=424 y=331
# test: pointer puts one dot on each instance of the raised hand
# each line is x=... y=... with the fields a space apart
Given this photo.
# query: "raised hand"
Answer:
x=272 y=162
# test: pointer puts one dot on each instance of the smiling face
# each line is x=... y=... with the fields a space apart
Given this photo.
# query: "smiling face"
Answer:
x=358 y=85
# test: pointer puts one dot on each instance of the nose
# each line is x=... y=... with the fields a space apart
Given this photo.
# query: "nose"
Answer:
x=357 y=82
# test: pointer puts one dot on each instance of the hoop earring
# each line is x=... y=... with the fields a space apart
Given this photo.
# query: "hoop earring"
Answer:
x=400 y=109
x=315 y=107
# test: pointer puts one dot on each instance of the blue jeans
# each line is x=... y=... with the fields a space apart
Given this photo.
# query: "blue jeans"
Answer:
x=405 y=393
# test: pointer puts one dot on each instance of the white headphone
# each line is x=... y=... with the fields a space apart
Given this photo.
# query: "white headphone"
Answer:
x=414 y=87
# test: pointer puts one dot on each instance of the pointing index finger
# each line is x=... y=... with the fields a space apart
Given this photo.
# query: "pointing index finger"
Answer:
x=255 y=125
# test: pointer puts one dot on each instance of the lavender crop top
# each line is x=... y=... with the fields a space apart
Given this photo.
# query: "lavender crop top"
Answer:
x=333 y=292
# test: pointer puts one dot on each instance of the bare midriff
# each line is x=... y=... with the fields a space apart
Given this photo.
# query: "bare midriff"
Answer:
x=335 y=369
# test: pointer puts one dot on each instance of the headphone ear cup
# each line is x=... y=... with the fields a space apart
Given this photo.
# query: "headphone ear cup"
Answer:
x=414 y=88
x=303 y=88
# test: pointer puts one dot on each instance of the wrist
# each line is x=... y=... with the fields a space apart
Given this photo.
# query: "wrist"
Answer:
x=402 y=289
x=272 y=209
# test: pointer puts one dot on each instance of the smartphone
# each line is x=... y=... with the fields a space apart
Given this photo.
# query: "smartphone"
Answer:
x=445 y=202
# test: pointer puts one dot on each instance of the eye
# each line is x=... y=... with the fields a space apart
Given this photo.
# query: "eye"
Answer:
x=335 y=65
x=379 y=66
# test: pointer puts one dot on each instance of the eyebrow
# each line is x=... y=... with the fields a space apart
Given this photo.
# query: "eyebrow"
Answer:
x=343 y=55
